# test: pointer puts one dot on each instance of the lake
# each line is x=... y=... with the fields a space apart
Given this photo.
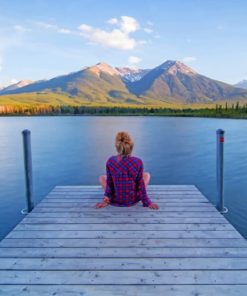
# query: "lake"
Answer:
x=73 y=151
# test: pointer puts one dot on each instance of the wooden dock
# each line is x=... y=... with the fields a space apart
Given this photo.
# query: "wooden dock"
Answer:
x=67 y=247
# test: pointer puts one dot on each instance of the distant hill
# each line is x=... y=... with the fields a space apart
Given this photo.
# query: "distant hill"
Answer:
x=172 y=81
x=242 y=84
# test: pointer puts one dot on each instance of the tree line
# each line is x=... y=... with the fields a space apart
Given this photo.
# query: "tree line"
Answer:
x=230 y=110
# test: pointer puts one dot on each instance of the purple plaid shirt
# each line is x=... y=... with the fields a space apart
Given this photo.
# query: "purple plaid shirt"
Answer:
x=125 y=184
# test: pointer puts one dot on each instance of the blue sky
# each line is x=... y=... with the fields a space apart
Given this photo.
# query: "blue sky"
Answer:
x=42 y=39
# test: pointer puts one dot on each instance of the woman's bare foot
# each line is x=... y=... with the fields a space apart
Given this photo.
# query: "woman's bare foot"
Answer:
x=104 y=203
x=101 y=205
x=154 y=206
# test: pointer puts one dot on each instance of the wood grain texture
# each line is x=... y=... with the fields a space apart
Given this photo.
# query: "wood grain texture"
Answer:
x=123 y=290
x=67 y=247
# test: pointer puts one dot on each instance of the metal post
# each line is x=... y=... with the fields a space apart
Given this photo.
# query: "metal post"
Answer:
x=28 y=170
x=220 y=171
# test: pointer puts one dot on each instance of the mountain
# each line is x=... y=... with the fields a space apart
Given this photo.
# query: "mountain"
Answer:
x=99 y=83
x=15 y=86
x=242 y=84
x=131 y=74
x=172 y=81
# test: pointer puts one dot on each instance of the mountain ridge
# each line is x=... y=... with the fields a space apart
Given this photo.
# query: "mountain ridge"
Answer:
x=172 y=81
x=241 y=84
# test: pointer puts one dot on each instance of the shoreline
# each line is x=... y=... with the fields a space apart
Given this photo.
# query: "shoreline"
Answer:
x=123 y=115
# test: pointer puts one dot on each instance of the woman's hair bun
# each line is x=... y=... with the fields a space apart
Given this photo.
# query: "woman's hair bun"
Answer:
x=124 y=144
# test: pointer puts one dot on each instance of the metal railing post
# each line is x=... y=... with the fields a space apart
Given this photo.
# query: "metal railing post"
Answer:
x=28 y=170
x=220 y=171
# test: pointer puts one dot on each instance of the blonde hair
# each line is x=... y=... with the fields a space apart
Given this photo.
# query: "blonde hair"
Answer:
x=123 y=143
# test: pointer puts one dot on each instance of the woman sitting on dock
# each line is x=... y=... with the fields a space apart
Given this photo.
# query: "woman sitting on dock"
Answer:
x=125 y=182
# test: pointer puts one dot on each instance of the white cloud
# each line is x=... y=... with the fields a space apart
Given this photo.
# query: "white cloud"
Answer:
x=112 y=21
x=85 y=28
x=46 y=25
x=118 y=37
x=22 y=29
x=128 y=24
x=150 y=24
x=56 y=28
x=189 y=59
x=64 y=31
x=148 y=30
x=134 y=60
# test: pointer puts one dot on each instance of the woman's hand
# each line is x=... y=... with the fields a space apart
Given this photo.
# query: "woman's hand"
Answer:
x=104 y=203
x=154 y=206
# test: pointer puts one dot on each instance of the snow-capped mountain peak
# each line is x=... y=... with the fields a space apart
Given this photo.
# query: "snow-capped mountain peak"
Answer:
x=131 y=74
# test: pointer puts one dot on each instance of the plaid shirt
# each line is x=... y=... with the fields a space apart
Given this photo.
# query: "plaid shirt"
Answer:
x=125 y=184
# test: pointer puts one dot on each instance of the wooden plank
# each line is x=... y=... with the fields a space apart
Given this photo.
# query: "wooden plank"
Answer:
x=99 y=196
x=93 y=202
x=124 y=234
x=124 y=252
x=168 y=202
x=103 y=220
x=149 y=189
x=154 y=196
x=163 y=209
x=182 y=201
x=123 y=264
x=124 y=214
x=120 y=227
x=124 y=277
x=163 y=187
x=139 y=205
x=135 y=242
x=150 y=193
x=123 y=290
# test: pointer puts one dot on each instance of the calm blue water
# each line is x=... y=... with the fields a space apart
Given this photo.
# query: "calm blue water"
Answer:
x=73 y=151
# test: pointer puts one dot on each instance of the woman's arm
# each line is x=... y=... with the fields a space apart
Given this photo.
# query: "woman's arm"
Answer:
x=109 y=191
x=141 y=190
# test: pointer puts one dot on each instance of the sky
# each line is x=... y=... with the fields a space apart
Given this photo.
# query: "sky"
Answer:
x=40 y=39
